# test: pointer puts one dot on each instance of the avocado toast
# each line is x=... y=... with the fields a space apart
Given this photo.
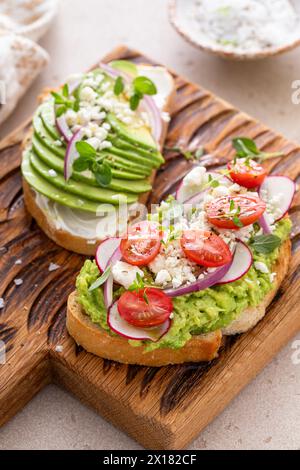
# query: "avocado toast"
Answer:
x=95 y=146
x=206 y=263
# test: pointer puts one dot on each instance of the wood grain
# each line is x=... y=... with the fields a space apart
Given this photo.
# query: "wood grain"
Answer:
x=161 y=408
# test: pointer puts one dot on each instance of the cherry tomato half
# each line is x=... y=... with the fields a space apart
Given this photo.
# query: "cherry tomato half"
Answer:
x=235 y=212
x=142 y=244
x=205 y=248
x=248 y=174
x=146 y=308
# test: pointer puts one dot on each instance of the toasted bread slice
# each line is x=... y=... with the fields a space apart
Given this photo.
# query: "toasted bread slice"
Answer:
x=200 y=348
x=64 y=238
x=252 y=315
x=97 y=341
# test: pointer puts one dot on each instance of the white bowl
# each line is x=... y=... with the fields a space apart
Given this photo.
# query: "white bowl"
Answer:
x=30 y=18
x=179 y=15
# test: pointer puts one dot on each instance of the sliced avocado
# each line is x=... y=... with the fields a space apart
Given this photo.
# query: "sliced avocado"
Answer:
x=46 y=111
x=139 y=136
x=123 y=163
x=45 y=139
x=136 y=187
x=55 y=194
x=125 y=66
x=93 y=193
x=122 y=144
x=57 y=164
x=133 y=157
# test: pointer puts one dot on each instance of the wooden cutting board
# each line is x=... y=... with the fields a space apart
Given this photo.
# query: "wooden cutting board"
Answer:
x=161 y=408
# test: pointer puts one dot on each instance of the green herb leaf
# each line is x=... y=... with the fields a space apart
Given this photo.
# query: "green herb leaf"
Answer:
x=265 y=244
x=245 y=147
x=101 y=280
x=144 y=86
x=103 y=174
x=135 y=101
x=85 y=150
x=65 y=90
x=237 y=222
x=119 y=86
x=60 y=111
x=58 y=98
x=199 y=153
x=81 y=164
x=138 y=284
x=231 y=206
x=146 y=299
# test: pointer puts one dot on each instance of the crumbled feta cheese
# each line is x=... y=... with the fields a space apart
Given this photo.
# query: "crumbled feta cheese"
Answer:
x=245 y=233
x=94 y=142
x=83 y=116
x=105 y=145
x=235 y=188
x=53 y=267
x=165 y=117
x=88 y=94
x=18 y=282
x=71 y=117
x=262 y=267
x=2 y=303
x=125 y=274
x=172 y=260
x=18 y=262
x=220 y=191
x=162 y=277
x=52 y=173
x=196 y=178
x=272 y=277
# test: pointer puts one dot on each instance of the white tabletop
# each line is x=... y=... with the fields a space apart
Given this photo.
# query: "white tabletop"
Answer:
x=266 y=415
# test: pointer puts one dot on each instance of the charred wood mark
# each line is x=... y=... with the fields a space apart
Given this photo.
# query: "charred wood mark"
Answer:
x=53 y=296
x=109 y=365
x=57 y=328
x=295 y=243
x=7 y=334
x=132 y=372
x=147 y=380
x=78 y=349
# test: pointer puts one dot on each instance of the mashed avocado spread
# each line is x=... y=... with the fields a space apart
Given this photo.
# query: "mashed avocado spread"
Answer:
x=196 y=313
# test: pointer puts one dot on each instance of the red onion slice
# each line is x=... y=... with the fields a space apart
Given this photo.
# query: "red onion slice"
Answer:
x=265 y=225
x=72 y=154
x=124 y=329
x=62 y=126
x=209 y=280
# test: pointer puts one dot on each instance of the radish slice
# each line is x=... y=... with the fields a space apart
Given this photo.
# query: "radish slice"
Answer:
x=185 y=195
x=105 y=251
x=282 y=190
x=147 y=104
x=242 y=262
x=209 y=280
x=72 y=154
x=122 y=328
x=62 y=126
